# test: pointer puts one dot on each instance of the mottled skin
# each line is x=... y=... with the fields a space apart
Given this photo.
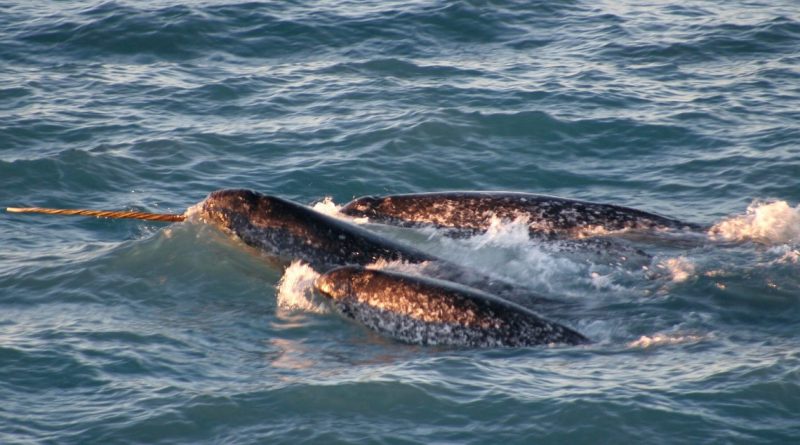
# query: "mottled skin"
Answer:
x=432 y=312
x=287 y=231
x=472 y=212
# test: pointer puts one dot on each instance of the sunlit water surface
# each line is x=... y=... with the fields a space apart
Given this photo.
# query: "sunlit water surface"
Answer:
x=137 y=332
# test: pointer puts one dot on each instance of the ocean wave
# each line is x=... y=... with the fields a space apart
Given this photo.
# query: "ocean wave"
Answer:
x=141 y=332
x=404 y=68
x=706 y=42
x=179 y=32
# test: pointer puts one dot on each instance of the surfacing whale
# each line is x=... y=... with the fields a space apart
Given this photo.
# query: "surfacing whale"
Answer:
x=425 y=311
x=472 y=212
x=286 y=231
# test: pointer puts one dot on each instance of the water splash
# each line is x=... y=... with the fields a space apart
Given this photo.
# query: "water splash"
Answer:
x=503 y=232
x=506 y=251
x=328 y=207
x=193 y=213
x=679 y=268
x=765 y=222
x=601 y=281
x=296 y=289
x=788 y=255
x=405 y=267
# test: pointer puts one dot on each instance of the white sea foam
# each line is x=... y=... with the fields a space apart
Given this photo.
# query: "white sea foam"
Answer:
x=604 y=281
x=296 y=289
x=765 y=222
x=787 y=254
x=665 y=339
x=680 y=268
x=328 y=207
x=192 y=213
x=506 y=250
x=399 y=266
x=502 y=232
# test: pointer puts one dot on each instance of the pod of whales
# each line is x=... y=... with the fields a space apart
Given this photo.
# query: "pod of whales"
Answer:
x=411 y=308
x=432 y=312
x=472 y=212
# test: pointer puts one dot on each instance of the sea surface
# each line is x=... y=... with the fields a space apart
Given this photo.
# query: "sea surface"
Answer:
x=120 y=331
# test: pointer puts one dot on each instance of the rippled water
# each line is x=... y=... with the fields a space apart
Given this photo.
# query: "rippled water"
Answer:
x=136 y=332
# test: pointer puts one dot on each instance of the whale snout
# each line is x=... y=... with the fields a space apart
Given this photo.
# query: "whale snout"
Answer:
x=324 y=285
x=335 y=284
x=231 y=199
x=235 y=209
x=363 y=206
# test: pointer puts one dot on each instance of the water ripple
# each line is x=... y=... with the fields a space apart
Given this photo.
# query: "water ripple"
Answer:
x=130 y=331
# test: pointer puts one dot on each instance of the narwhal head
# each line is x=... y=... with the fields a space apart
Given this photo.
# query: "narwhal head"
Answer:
x=336 y=284
x=238 y=210
x=365 y=206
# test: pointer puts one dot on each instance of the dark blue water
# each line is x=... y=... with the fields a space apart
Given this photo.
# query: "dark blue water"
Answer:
x=139 y=332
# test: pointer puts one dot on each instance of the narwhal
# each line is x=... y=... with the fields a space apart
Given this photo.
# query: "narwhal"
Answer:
x=471 y=212
x=426 y=311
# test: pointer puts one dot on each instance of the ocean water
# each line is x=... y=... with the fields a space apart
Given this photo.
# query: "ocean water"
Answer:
x=117 y=331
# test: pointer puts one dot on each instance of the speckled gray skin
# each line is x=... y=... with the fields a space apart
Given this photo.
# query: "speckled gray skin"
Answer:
x=287 y=231
x=471 y=212
x=431 y=312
